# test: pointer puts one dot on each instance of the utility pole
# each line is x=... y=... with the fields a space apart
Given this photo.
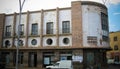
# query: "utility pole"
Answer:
x=18 y=31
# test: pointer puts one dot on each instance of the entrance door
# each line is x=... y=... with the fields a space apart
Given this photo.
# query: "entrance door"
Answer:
x=32 y=59
x=116 y=58
x=90 y=60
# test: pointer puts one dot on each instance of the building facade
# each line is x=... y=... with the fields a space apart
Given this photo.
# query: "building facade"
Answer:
x=115 y=45
x=79 y=33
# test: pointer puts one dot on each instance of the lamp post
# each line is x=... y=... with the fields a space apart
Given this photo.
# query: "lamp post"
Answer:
x=18 y=31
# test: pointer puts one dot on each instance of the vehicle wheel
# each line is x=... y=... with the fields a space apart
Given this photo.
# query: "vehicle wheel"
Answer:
x=48 y=68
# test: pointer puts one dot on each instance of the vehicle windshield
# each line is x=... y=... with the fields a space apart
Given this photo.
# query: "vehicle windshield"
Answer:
x=56 y=64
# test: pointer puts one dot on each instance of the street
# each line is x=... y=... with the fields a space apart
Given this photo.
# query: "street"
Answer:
x=113 y=66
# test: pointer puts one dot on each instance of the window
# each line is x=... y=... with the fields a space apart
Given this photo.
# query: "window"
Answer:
x=49 y=28
x=20 y=42
x=8 y=31
x=104 y=21
x=34 y=29
x=34 y=42
x=66 y=40
x=105 y=38
x=49 y=41
x=115 y=47
x=7 y=43
x=115 y=38
x=92 y=40
x=66 y=27
x=66 y=55
x=22 y=29
x=48 y=58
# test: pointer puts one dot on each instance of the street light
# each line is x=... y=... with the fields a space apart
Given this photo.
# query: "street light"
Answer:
x=18 y=38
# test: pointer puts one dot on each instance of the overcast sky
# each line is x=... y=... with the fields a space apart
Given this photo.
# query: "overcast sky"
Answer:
x=11 y=6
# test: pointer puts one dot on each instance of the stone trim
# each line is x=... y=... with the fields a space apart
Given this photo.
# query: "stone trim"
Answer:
x=57 y=25
x=41 y=27
x=14 y=26
x=27 y=27
x=2 y=22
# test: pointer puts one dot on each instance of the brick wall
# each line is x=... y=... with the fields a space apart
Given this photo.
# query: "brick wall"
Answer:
x=77 y=24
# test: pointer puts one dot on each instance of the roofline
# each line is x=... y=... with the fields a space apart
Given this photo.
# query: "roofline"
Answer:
x=82 y=3
x=45 y=10
x=115 y=32
x=93 y=3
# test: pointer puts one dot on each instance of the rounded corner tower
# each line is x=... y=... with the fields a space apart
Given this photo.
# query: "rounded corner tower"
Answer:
x=90 y=31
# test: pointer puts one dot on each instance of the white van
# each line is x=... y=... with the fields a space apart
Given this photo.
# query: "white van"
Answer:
x=63 y=64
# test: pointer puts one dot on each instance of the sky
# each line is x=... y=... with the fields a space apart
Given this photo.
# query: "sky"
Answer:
x=11 y=6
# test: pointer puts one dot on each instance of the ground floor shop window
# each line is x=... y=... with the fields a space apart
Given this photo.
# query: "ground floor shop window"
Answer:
x=32 y=59
x=20 y=58
x=65 y=56
x=48 y=58
x=6 y=57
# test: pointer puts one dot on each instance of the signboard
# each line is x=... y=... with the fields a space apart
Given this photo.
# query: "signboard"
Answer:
x=77 y=58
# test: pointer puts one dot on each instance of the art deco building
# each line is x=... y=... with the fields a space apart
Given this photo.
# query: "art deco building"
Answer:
x=79 y=33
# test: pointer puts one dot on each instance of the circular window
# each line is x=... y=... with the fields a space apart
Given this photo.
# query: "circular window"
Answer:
x=34 y=42
x=66 y=40
x=20 y=43
x=7 y=43
x=49 y=41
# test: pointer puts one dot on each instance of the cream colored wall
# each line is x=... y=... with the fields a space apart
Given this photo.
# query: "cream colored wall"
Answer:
x=9 y=40
x=91 y=21
x=34 y=18
x=49 y=17
x=64 y=15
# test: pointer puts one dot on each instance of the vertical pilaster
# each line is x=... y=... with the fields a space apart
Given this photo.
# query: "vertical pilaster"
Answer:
x=57 y=25
x=57 y=56
x=25 y=59
x=39 y=59
x=11 y=59
x=14 y=26
x=41 y=25
x=77 y=24
x=27 y=29
x=2 y=20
